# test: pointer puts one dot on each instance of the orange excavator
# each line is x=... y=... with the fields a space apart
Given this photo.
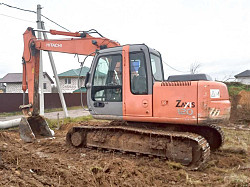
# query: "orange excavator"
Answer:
x=174 y=118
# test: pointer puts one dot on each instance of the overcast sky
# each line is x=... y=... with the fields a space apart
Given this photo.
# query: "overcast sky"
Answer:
x=213 y=33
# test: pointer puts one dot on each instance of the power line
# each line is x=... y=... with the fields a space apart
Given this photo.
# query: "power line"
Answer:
x=26 y=10
x=18 y=8
x=63 y=27
x=55 y=23
x=17 y=18
x=175 y=68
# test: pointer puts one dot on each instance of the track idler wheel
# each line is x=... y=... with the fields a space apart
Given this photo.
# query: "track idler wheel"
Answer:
x=76 y=138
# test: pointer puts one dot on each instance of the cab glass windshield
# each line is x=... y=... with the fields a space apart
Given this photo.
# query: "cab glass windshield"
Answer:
x=156 y=67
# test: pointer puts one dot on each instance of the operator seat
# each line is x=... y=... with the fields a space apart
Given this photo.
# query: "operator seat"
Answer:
x=140 y=82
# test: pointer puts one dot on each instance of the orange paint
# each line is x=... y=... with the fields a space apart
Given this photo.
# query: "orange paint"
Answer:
x=133 y=105
x=83 y=46
x=213 y=108
x=186 y=103
x=31 y=69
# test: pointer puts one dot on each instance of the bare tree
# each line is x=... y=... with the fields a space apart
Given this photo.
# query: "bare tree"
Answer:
x=228 y=77
x=194 y=68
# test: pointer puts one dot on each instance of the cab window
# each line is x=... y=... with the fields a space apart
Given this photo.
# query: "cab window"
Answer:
x=138 y=75
x=107 y=83
x=156 y=67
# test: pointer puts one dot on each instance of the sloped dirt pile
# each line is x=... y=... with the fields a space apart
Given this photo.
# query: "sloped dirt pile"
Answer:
x=240 y=111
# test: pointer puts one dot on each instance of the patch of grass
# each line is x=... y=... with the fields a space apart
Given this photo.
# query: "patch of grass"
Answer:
x=190 y=181
x=6 y=114
x=174 y=165
x=60 y=109
x=238 y=180
x=235 y=87
x=237 y=141
x=220 y=170
x=53 y=123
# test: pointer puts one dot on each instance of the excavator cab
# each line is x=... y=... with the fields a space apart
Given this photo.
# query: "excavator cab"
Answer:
x=127 y=83
x=121 y=82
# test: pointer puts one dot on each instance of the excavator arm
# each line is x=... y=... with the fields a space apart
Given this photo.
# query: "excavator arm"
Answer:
x=82 y=43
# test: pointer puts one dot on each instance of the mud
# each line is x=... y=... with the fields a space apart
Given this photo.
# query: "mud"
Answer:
x=240 y=110
x=53 y=163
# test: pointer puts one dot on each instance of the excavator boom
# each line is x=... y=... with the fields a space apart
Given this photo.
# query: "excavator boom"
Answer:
x=33 y=124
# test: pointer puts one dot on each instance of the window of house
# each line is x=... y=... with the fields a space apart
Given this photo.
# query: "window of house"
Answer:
x=67 y=80
x=138 y=75
x=107 y=83
x=44 y=86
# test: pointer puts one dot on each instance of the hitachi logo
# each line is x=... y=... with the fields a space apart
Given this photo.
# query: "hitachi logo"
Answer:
x=53 y=45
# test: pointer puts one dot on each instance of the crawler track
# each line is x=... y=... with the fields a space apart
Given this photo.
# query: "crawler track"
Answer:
x=212 y=133
x=186 y=148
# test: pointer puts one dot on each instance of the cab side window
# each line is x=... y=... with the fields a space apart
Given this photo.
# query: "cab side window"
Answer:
x=138 y=75
x=107 y=83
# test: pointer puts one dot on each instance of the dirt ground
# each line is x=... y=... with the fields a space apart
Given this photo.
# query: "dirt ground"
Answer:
x=52 y=163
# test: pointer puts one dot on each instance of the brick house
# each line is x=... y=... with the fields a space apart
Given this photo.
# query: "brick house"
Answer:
x=243 y=77
x=69 y=79
x=2 y=87
x=13 y=82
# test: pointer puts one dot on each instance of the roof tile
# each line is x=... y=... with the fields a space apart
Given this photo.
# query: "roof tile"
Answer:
x=243 y=74
x=17 y=78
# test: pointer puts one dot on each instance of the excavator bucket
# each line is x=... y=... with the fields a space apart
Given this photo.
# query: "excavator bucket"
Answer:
x=34 y=127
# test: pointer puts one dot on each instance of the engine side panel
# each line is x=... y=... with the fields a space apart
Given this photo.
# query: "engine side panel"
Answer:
x=214 y=104
x=175 y=102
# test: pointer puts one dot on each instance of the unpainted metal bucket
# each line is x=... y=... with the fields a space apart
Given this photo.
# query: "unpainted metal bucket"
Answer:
x=34 y=127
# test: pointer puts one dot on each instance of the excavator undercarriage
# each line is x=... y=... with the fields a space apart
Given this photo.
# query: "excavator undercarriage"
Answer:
x=186 y=147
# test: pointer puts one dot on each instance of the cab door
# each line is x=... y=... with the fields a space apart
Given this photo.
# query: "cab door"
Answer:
x=137 y=84
x=104 y=90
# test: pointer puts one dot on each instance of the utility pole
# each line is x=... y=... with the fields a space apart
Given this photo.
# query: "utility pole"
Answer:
x=56 y=76
x=39 y=26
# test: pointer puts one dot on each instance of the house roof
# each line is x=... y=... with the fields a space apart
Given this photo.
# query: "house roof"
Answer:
x=17 y=78
x=12 y=77
x=83 y=89
x=46 y=74
x=243 y=74
x=76 y=72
